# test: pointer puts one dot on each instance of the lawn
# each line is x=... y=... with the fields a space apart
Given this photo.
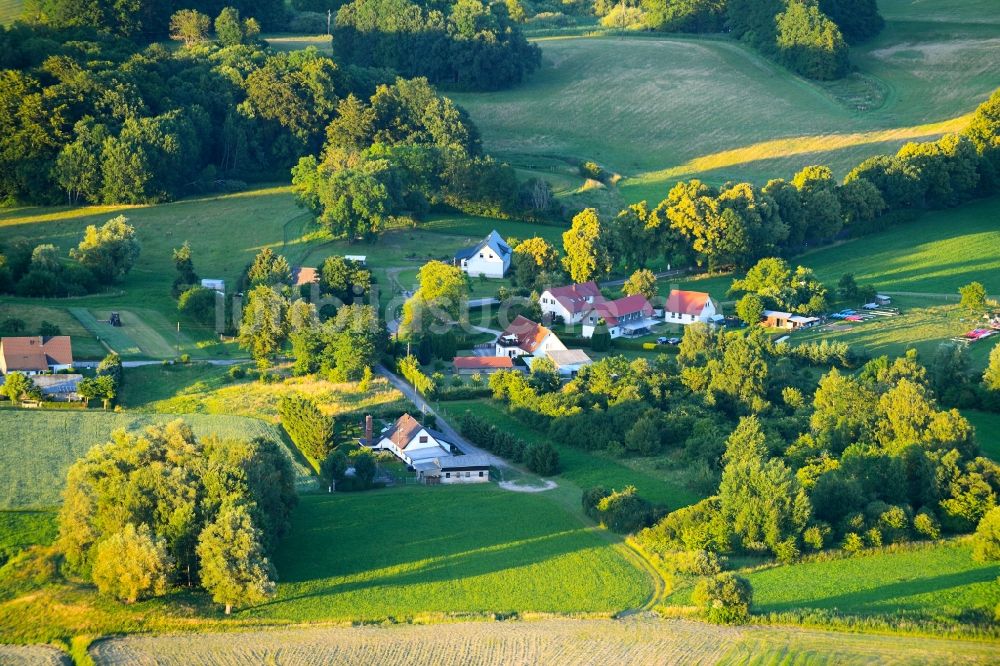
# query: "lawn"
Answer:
x=935 y=582
x=85 y=345
x=38 y=447
x=987 y=426
x=363 y=556
x=20 y=529
x=586 y=469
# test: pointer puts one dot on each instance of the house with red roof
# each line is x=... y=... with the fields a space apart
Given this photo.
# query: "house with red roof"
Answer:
x=33 y=355
x=486 y=365
x=571 y=302
x=526 y=337
x=632 y=315
x=688 y=307
x=427 y=451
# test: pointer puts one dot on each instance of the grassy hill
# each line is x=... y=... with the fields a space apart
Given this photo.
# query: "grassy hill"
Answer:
x=660 y=109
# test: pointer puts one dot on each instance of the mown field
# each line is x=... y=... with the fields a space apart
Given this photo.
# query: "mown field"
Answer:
x=37 y=447
x=586 y=469
x=987 y=426
x=937 y=583
x=407 y=552
x=10 y=10
x=666 y=108
x=636 y=640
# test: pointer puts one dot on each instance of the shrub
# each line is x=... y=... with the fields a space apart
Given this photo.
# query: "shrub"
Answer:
x=873 y=537
x=542 y=458
x=816 y=535
x=786 y=550
x=693 y=562
x=986 y=542
x=48 y=329
x=926 y=524
x=237 y=372
x=624 y=512
x=852 y=542
x=198 y=303
x=724 y=599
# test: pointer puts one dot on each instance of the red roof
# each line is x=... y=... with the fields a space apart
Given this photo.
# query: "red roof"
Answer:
x=485 y=362
x=35 y=353
x=577 y=297
x=611 y=311
x=687 y=302
x=529 y=334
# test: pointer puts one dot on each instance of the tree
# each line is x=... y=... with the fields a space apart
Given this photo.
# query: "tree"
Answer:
x=19 y=386
x=860 y=201
x=109 y=252
x=234 y=568
x=992 y=375
x=642 y=282
x=100 y=387
x=986 y=543
x=364 y=468
x=131 y=564
x=440 y=298
x=356 y=338
x=311 y=430
x=725 y=599
x=269 y=269
x=973 y=296
x=750 y=309
x=229 y=29
x=199 y=304
x=809 y=42
x=544 y=375
x=532 y=259
x=265 y=325
x=847 y=287
x=333 y=468
x=344 y=279
x=184 y=264
x=585 y=249
x=189 y=26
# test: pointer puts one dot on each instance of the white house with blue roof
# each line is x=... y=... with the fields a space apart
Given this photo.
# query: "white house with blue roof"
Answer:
x=491 y=257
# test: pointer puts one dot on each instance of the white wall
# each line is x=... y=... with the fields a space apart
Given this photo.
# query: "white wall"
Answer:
x=551 y=306
x=460 y=477
x=489 y=264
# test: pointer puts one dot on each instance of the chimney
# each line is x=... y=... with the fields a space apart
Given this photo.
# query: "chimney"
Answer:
x=368 y=430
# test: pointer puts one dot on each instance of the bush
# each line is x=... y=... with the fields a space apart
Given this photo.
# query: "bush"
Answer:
x=724 y=599
x=542 y=458
x=986 y=542
x=926 y=525
x=237 y=372
x=815 y=536
x=693 y=562
x=48 y=329
x=852 y=543
x=198 y=303
x=131 y=564
x=624 y=512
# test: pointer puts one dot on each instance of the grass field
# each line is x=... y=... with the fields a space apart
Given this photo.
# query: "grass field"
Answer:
x=658 y=110
x=38 y=447
x=938 y=583
x=987 y=431
x=640 y=640
x=369 y=558
x=10 y=10
x=585 y=468
x=20 y=529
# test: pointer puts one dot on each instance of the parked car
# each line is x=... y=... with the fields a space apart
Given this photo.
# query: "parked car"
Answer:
x=674 y=341
x=662 y=340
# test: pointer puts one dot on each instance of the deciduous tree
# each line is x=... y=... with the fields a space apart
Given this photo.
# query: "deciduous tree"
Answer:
x=234 y=568
x=131 y=564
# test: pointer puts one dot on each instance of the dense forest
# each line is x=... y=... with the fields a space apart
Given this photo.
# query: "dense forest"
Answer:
x=468 y=45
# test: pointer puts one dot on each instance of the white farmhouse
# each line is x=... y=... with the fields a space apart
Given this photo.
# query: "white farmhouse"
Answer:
x=571 y=302
x=688 y=307
x=632 y=315
x=525 y=337
x=491 y=257
x=411 y=442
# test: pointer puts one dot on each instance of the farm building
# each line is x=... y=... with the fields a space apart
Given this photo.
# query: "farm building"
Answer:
x=454 y=469
x=688 y=307
x=571 y=302
x=491 y=257
x=411 y=442
x=777 y=319
x=360 y=259
x=304 y=275
x=487 y=365
x=61 y=388
x=632 y=315
x=217 y=285
x=525 y=337
x=569 y=361
x=34 y=354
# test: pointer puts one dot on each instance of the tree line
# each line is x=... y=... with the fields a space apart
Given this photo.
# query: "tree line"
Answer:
x=103 y=257
x=160 y=507
x=811 y=38
x=467 y=44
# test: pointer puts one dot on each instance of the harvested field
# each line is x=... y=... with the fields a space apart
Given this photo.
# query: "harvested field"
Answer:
x=636 y=640
x=32 y=655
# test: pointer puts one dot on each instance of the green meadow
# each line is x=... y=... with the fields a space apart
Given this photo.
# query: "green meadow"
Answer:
x=935 y=582
x=406 y=552
x=987 y=426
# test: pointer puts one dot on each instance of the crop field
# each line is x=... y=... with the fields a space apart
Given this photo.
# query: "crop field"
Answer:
x=586 y=468
x=636 y=640
x=38 y=447
x=10 y=10
x=368 y=559
x=658 y=110
x=935 y=582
